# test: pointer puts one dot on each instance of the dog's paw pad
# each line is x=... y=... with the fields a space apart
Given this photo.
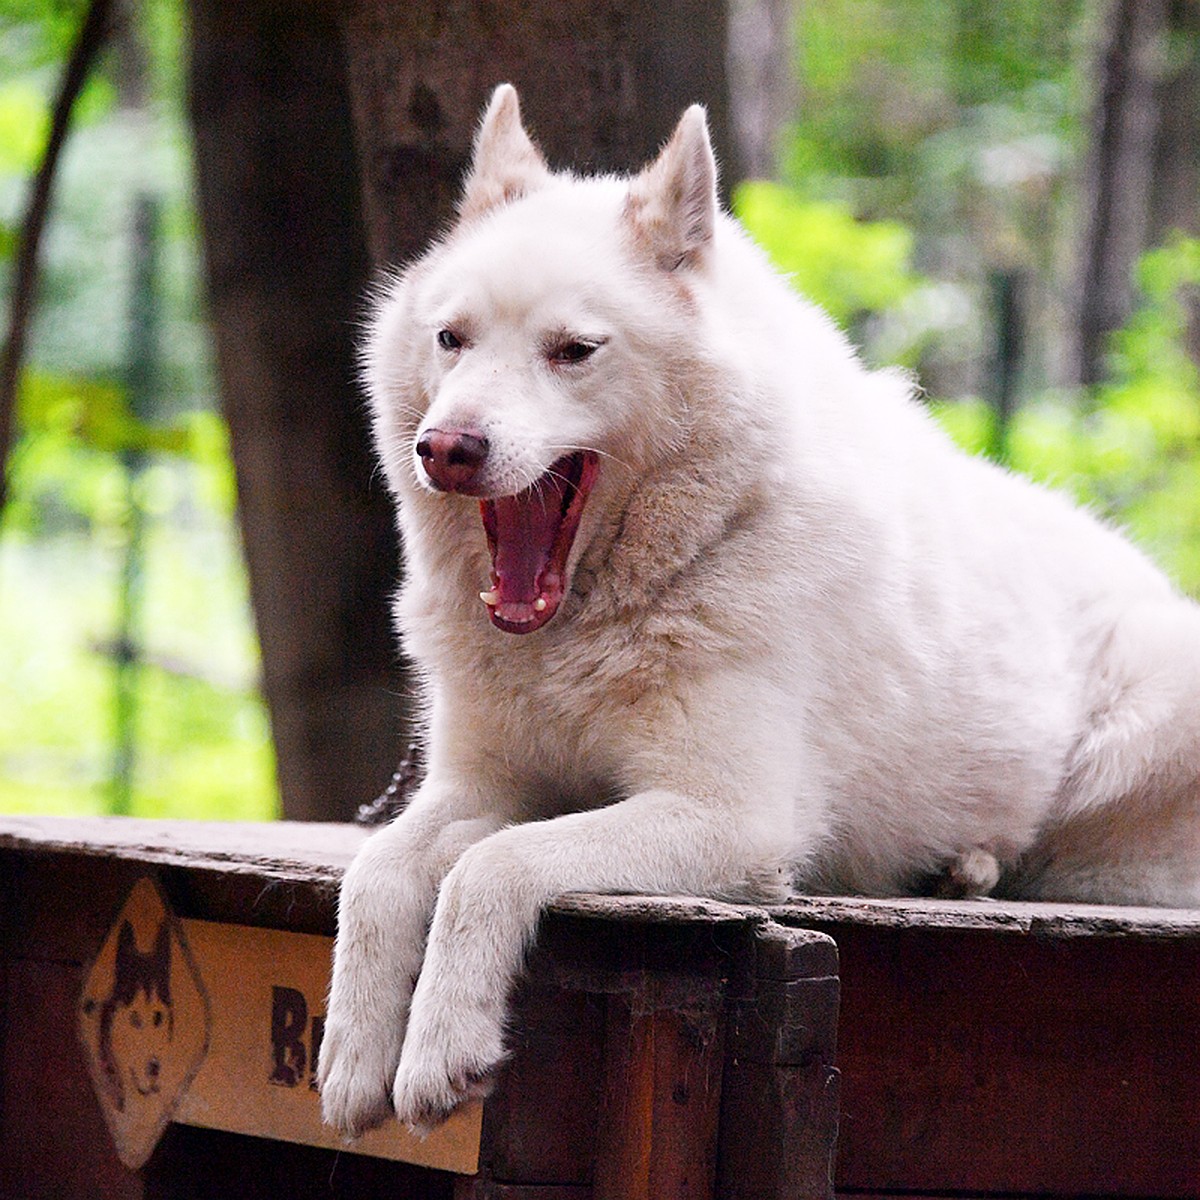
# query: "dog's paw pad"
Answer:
x=353 y=1112
x=353 y=1080
x=425 y=1098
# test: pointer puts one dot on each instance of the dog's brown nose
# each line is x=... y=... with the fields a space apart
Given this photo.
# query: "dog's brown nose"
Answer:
x=452 y=458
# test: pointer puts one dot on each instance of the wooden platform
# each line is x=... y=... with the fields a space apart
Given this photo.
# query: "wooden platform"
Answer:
x=663 y=1047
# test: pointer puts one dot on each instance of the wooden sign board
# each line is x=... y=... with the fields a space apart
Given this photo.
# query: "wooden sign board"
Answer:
x=242 y=1049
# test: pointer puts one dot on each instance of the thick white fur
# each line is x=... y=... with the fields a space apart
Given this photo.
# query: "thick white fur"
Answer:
x=806 y=643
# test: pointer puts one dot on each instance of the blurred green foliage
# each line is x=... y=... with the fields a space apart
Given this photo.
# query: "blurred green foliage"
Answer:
x=203 y=746
x=965 y=121
x=895 y=95
x=1130 y=449
x=848 y=267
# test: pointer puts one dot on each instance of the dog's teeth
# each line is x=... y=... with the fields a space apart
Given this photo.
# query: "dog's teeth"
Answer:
x=491 y=599
x=539 y=605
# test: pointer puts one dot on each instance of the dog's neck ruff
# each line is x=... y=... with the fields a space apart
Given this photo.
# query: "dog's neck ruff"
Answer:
x=530 y=536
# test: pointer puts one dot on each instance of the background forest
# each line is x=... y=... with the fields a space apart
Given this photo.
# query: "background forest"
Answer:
x=1001 y=198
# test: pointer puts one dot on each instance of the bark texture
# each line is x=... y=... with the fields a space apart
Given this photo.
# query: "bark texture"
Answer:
x=287 y=268
x=602 y=84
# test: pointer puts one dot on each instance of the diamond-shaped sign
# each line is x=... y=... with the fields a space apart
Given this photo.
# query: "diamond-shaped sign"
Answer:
x=143 y=1021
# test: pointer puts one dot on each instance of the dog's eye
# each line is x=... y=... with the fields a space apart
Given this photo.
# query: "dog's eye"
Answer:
x=566 y=353
x=449 y=340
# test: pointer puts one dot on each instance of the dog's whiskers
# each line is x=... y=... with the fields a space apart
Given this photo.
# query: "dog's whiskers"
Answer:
x=578 y=449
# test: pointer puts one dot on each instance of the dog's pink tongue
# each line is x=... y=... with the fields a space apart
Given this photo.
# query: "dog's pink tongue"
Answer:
x=524 y=530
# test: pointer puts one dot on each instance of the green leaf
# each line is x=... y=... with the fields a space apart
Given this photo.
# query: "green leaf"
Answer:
x=97 y=413
x=24 y=122
x=846 y=266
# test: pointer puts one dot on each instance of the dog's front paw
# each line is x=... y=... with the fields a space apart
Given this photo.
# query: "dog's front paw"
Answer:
x=438 y=1074
x=354 y=1076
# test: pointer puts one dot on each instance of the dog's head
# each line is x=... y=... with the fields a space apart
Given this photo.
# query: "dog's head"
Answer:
x=531 y=355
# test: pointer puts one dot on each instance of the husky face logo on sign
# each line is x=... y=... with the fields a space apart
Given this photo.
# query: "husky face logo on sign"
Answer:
x=136 y=1019
x=143 y=1022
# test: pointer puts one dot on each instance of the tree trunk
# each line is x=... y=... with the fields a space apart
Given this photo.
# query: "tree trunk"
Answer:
x=1175 y=194
x=1120 y=172
x=287 y=266
x=602 y=84
x=762 y=56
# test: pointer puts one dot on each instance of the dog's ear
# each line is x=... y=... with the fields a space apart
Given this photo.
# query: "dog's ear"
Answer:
x=505 y=164
x=672 y=204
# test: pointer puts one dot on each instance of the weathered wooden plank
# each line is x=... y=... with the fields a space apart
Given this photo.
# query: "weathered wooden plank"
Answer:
x=1000 y=916
x=540 y=1123
x=976 y=1061
x=297 y=850
x=626 y=1133
x=61 y=907
x=53 y=1142
x=784 y=952
x=779 y=1111
x=313 y=852
x=661 y=1101
x=778 y=1130
x=266 y=994
x=1072 y=1029
x=790 y=1023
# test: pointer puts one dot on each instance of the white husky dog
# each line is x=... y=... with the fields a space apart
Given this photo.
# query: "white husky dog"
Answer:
x=702 y=605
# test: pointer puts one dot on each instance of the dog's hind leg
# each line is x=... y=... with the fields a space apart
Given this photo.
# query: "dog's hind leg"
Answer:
x=488 y=908
x=386 y=900
x=1126 y=822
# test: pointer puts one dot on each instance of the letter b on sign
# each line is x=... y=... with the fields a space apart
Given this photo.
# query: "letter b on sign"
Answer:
x=289 y=1023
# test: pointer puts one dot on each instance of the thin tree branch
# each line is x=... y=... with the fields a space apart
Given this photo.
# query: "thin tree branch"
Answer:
x=92 y=35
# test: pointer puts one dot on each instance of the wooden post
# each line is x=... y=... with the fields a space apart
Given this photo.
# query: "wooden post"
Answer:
x=662 y=1095
x=779 y=1115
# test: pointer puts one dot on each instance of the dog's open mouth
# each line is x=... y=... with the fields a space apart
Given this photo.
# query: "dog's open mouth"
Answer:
x=530 y=536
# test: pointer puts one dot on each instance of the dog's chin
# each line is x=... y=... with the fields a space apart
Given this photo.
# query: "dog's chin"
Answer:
x=529 y=537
